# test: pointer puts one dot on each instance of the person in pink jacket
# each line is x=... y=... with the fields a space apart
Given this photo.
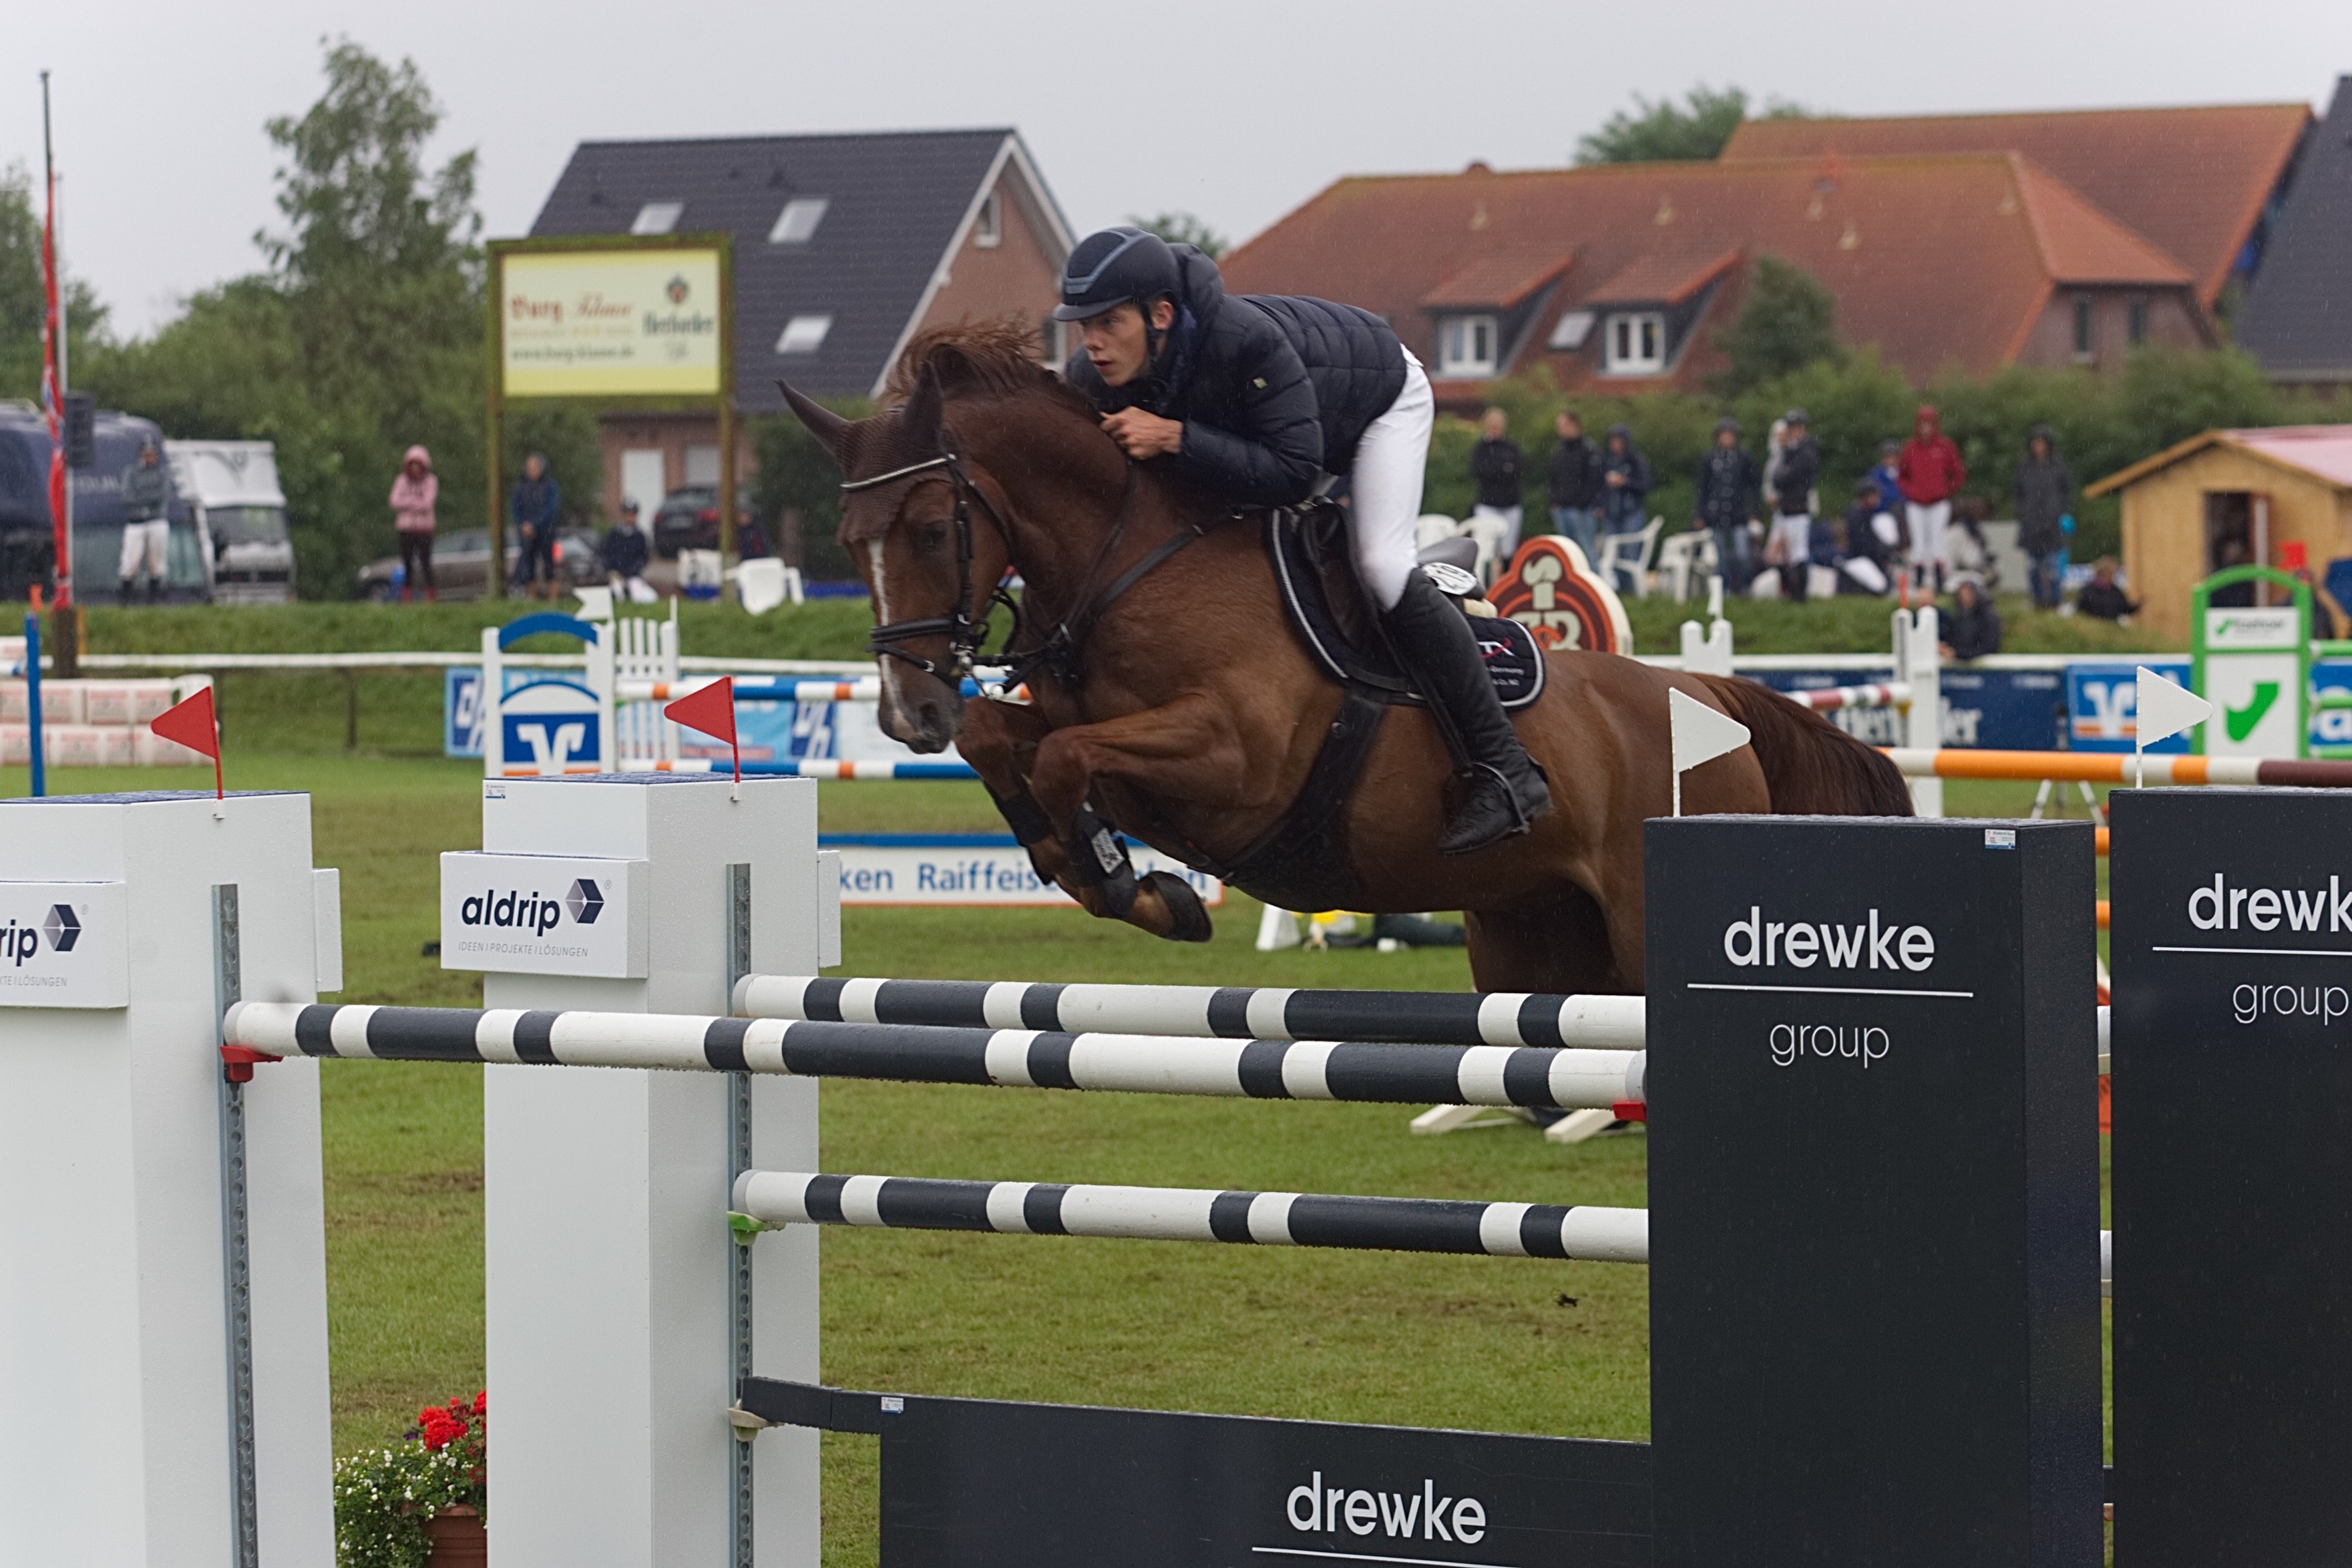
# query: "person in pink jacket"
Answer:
x=1931 y=474
x=413 y=495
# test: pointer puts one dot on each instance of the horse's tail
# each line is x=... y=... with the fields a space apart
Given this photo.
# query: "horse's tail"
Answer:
x=1811 y=766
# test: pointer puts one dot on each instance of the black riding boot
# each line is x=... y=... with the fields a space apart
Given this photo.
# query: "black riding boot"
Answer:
x=1504 y=790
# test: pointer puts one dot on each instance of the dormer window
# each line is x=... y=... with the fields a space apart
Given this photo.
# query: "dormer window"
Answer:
x=1635 y=344
x=987 y=229
x=796 y=225
x=657 y=217
x=803 y=335
x=1467 y=346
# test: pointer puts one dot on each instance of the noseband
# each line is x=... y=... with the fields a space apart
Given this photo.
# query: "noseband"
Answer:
x=964 y=634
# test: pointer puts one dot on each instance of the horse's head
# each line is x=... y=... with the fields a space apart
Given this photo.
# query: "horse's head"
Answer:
x=925 y=533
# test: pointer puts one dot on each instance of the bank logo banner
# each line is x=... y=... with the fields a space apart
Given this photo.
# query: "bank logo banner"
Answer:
x=544 y=914
x=63 y=944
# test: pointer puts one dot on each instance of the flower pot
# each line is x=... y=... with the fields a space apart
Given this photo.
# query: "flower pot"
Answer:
x=460 y=1539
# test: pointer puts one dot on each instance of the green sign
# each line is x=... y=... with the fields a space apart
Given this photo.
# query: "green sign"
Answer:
x=2252 y=662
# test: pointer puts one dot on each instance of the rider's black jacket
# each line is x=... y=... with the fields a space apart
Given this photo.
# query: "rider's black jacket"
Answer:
x=1273 y=389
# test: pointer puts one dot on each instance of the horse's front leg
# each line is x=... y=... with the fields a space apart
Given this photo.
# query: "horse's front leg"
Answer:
x=1187 y=750
x=1000 y=739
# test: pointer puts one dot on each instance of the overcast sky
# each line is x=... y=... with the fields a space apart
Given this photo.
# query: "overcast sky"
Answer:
x=1235 y=112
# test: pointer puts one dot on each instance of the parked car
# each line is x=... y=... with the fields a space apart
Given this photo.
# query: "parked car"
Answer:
x=461 y=564
x=231 y=488
x=96 y=508
x=687 y=518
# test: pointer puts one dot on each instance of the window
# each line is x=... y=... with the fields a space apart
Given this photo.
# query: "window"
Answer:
x=657 y=217
x=1570 y=330
x=987 y=229
x=2135 y=320
x=1636 y=343
x=803 y=335
x=1465 y=346
x=2086 y=329
x=1049 y=339
x=796 y=225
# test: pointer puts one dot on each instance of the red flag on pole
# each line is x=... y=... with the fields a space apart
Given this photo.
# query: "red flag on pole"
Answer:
x=191 y=724
x=710 y=711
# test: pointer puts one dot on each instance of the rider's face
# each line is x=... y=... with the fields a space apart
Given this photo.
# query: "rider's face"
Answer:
x=1117 y=346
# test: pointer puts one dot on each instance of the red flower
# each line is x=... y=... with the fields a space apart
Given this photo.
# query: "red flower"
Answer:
x=482 y=1402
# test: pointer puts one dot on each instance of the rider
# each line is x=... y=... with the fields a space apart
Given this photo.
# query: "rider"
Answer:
x=1256 y=396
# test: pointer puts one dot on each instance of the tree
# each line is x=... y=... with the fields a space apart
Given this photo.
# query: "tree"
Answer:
x=1183 y=228
x=1789 y=321
x=1661 y=131
x=21 y=303
x=797 y=491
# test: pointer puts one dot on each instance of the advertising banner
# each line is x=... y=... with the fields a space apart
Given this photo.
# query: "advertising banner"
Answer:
x=544 y=914
x=970 y=868
x=62 y=944
x=604 y=323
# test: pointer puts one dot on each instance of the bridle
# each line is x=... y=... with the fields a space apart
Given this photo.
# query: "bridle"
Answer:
x=1059 y=650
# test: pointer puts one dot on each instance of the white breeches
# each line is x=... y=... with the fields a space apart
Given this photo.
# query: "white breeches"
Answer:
x=1385 y=487
x=1927 y=525
x=149 y=541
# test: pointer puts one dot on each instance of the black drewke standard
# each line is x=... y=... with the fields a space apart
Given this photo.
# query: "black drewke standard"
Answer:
x=1873 y=1194
x=2233 y=952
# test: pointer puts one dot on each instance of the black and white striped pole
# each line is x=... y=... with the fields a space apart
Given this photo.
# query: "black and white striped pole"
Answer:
x=1534 y=1076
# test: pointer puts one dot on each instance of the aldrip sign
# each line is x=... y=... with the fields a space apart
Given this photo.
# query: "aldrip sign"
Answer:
x=63 y=944
x=544 y=914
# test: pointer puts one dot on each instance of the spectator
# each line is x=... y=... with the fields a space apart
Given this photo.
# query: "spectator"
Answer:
x=1727 y=505
x=750 y=539
x=1574 y=484
x=1972 y=629
x=1890 y=486
x=1966 y=547
x=414 y=489
x=1874 y=543
x=1624 y=489
x=2044 y=493
x=1790 y=545
x=538 y=515
x=146 y=528
x=1930 y=473
x=625 y=552
x=1498 y=465
x=2103 y=597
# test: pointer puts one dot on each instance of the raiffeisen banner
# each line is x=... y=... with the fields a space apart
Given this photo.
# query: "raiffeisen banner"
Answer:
x=599 y=323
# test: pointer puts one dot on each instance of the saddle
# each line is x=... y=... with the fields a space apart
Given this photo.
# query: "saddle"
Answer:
x=1308 y=548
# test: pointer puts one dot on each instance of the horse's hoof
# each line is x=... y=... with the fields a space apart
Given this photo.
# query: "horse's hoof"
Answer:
x=1188 y=917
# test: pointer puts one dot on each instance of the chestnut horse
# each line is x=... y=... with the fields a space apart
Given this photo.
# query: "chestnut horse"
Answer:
x=1171 y=699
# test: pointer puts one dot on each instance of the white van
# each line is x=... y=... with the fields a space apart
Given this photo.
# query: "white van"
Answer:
x=231 y=490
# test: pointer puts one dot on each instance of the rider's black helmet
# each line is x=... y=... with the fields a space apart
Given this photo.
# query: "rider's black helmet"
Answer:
x=1113 y=266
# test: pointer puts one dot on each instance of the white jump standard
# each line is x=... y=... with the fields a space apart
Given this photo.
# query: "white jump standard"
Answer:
x=764 y=1199
x=1375 y=1072
x=1218 y=1011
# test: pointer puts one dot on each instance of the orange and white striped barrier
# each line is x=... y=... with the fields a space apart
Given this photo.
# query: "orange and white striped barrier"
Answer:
x=2118 y=768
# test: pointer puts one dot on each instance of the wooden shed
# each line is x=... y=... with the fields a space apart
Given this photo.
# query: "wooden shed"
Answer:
x=2230 y=497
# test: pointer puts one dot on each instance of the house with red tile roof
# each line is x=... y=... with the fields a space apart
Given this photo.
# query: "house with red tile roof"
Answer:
x=2200 y=183
x=1620 y=277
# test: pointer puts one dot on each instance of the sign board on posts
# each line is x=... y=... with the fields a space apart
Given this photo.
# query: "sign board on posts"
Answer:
x=544 y=914
x=2232 y=951
x=2254 y=663
x=970 y=868
x=639 y=321
x=1874 y=1322
x=63 y=944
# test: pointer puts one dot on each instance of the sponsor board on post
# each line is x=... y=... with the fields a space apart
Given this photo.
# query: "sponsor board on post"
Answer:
x=544 y=914
x=631 y=319
x=970 y=868
x=62 y=944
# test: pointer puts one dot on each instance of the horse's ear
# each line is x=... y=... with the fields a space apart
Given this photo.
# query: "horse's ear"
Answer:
x=919 y=419
x=822 y=423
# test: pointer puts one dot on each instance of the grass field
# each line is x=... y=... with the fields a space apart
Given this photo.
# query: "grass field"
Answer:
x=1424 y=1341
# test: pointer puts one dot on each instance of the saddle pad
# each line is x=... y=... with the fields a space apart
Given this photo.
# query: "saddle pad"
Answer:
x=1300 y=545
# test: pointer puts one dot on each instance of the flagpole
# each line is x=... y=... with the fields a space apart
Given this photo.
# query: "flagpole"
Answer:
x=60 y=362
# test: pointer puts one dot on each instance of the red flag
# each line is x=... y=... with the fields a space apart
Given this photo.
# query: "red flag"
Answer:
x=52 y=398
x=710 y=711
x=193 y=725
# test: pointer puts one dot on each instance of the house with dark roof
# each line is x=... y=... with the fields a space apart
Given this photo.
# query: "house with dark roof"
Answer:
x=2297 y=319
x=845 y=248
x=1620 y=277
x=2200 y=184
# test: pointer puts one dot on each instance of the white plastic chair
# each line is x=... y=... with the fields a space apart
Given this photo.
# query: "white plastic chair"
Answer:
x=1684 y=556
x=1625 y=558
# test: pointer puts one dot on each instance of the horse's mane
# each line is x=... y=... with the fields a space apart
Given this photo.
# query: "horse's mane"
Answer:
x=997 y=357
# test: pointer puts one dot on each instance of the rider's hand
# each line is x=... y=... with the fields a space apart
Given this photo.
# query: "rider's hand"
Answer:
x=1142 y=434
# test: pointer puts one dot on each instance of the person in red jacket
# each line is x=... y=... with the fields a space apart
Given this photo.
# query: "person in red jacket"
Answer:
x=1930 y=473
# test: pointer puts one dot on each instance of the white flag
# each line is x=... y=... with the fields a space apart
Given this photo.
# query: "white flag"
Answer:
x=1700 y=735
x=2164 y=709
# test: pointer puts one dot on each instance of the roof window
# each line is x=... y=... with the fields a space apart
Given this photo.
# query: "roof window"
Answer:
x=657 y=217
x=1570 y=330
x=796 y=225
x=803 y=335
